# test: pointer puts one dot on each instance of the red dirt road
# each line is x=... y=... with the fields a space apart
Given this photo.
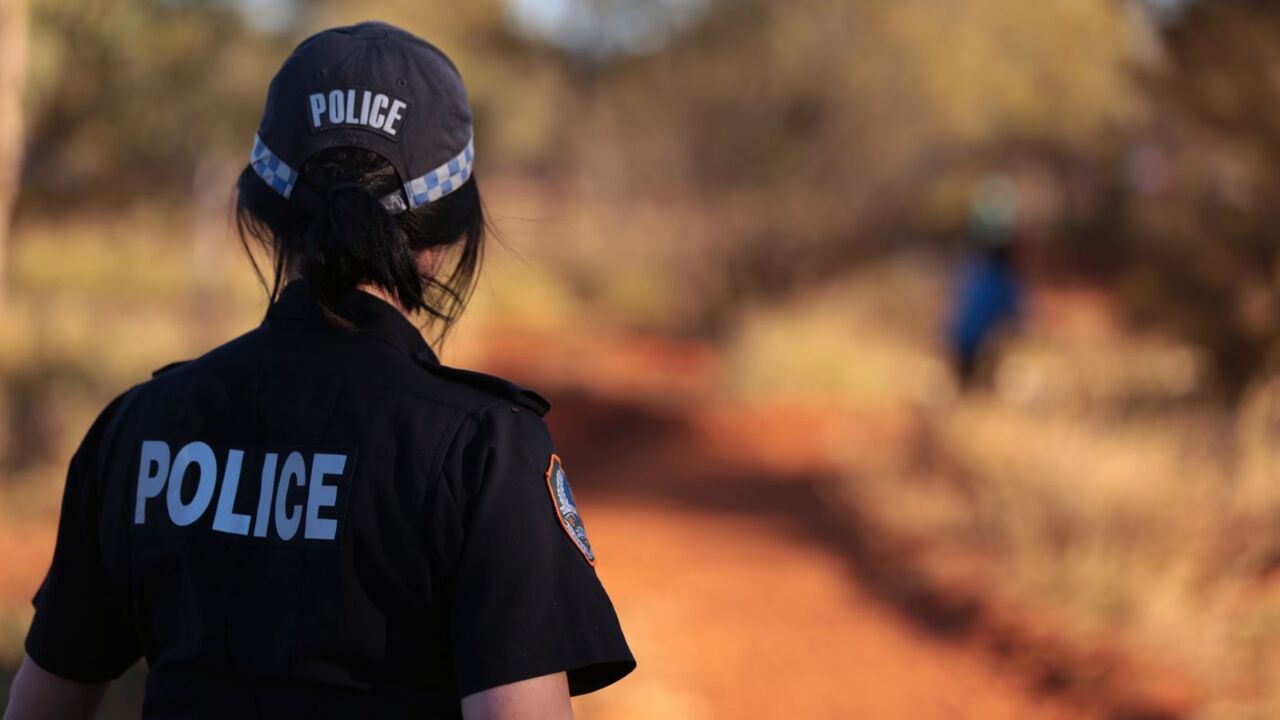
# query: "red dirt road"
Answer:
x=740 y=596
x=735 y=599
x=735 y=617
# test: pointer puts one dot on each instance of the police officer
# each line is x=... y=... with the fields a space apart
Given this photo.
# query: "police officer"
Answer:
x=318 y=519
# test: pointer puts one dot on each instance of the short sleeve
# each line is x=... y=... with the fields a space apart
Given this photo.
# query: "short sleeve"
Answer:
x=525 y=599
x=80 y=632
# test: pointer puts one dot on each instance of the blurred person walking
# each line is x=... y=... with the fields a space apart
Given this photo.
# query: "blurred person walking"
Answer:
x=989 y=293
x=318 y=519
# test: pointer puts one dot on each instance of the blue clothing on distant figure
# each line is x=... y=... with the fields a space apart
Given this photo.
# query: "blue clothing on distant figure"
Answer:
x=989 y=295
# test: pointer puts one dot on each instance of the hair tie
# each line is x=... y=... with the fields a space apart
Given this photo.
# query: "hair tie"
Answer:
x=331 y=193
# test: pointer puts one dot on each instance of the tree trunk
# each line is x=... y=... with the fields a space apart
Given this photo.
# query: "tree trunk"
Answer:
x=13 y=74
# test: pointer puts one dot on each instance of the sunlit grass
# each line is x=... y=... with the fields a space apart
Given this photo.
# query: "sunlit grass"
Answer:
x=866 y=342
x=1090 y=481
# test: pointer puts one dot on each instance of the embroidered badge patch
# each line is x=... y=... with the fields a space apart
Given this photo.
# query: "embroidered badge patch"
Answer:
x=567 y=509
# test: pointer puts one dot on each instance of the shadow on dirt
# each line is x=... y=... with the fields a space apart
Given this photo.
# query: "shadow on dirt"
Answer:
x=639 y=452
x=647 y=453
x=630 y=451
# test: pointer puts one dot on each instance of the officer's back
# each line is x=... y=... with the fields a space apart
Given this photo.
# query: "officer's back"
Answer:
x=299 y=504
x=311 y=575
x=318 y=519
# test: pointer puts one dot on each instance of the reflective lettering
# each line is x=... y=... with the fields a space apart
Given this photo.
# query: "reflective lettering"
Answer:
x=153 y=470
x=264 y=495
x=377 y=114
x=364 y=108
x=393 y=116
x=294 y=473
x=351 y=107
x=320 y=495
x=317 y=108
x=337 y=111
x=301 y=494
x=201 y=455
x=357 y=107
x=226 y=519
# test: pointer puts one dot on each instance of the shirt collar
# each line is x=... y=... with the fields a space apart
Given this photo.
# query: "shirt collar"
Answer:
x=297 y=306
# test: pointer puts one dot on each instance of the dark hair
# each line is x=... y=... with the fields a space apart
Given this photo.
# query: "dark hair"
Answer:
x=345 y=237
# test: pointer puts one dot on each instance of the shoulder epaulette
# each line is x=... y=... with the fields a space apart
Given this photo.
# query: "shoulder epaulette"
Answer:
x=170 y=366
x=491 y=384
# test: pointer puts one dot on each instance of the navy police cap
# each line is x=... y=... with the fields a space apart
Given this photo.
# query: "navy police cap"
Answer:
x=371 y=86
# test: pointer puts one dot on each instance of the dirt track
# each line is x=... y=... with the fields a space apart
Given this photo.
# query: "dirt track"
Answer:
x=737 y=602
x=740 y=596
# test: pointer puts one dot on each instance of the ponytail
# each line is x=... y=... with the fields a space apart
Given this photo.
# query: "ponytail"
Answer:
x=337 y=235
x=352 y=240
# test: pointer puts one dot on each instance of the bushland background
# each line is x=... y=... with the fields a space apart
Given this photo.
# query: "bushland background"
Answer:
x=749 y=213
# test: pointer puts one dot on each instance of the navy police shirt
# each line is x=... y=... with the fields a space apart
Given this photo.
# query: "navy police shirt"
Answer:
x=318 y=521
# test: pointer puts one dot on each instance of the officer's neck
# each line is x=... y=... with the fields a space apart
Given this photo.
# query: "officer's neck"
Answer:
x=369 y=288
x=384 y=296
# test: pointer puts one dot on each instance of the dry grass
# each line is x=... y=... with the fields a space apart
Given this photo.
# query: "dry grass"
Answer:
x=1091 y=482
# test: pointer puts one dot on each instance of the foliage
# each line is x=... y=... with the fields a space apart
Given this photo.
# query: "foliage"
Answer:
x=1091 y=486
x=128 y=97
x=765 y=148
x=808 y=133
x=1206 y=260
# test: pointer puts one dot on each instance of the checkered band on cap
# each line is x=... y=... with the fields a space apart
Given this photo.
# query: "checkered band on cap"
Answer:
x=443 y=180
x=272 y=169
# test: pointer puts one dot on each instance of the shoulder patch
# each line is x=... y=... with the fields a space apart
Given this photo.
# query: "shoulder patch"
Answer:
x=170 y=366
x=567 y=509
x=492 y=384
